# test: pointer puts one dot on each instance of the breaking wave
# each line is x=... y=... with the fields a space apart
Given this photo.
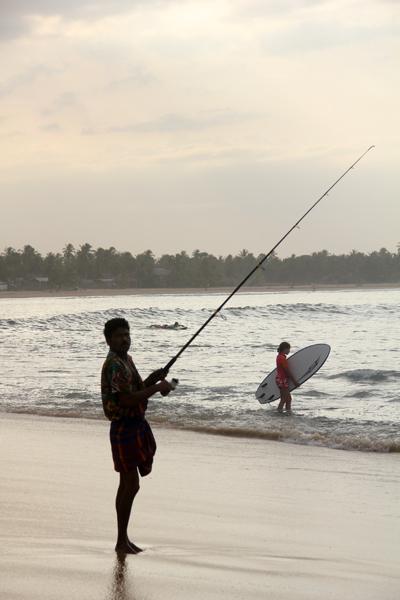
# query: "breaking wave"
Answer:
x=369 y=437
x=361 y=443
x=88 y=319
x=367 y=375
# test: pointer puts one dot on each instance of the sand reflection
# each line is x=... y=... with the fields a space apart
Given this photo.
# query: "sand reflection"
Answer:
x=121 y=587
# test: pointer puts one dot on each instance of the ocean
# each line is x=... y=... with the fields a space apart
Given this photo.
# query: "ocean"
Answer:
x=52 y=350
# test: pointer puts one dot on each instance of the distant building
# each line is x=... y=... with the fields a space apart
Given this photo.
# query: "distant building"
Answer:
x=87 y=284
x=31 y=283
x=40 y=283
x=3 y=286
x=108 y=282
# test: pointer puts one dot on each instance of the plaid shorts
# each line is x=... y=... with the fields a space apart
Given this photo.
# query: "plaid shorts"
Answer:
x=132 y=445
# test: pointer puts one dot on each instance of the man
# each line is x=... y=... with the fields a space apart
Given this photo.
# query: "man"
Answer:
x=125 y=396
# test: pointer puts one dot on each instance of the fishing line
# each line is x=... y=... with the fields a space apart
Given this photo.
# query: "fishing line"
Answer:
x=258 y=265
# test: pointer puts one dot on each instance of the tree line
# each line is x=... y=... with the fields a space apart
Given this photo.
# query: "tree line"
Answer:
x=86 y=266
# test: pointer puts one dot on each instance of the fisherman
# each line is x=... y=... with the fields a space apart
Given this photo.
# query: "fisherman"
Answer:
x=125 y=397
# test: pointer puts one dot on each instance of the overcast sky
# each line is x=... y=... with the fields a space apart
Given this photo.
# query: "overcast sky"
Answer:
x=176 y=125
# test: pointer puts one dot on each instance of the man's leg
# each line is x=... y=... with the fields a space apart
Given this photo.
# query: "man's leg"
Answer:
x=127 y=490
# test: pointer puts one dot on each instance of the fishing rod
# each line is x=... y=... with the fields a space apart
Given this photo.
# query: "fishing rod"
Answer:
x=258 y=265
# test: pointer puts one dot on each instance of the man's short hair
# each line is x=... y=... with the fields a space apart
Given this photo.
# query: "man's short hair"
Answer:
x=114 y=324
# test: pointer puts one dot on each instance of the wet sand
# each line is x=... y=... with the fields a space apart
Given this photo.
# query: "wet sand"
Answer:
x=219 y=518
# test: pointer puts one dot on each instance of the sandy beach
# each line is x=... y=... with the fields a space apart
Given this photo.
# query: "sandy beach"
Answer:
x=218 y=517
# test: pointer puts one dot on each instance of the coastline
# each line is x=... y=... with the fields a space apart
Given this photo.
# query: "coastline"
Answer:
x=218 y=516
x=187 y=291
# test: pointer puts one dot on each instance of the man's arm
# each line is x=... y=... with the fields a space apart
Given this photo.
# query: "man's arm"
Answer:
x=154 y=377
x=129 y=400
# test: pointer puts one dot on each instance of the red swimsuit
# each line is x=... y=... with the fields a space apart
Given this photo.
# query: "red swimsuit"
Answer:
x=281 y=376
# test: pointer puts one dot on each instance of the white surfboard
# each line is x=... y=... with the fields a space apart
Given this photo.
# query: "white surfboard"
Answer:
x=304 y=364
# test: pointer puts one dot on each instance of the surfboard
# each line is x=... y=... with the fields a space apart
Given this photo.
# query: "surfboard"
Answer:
x=304 y=364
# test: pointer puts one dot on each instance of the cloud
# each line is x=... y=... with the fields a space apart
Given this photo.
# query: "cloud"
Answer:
x=61 y=102
x=277 y=8
x=16 y=15
x=9 y=86
x=8 y=135
x=12 y=26
x=175 y=122
x=137 y=76
x=88 y=131
x=50 y=127
x=67 y=8
x=295 y=8
x=311 y=36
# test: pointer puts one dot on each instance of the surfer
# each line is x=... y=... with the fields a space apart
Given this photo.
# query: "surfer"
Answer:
x=283 y=374
x=175 y=326
x=125 y=396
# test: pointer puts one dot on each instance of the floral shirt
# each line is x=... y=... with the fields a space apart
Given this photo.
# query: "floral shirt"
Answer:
x=119 y=375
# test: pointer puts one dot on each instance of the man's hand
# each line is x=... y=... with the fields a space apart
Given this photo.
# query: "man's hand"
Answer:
x=165 y=387
x=156 y=376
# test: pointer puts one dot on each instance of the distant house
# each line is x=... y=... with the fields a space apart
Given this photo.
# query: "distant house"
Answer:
x=18 y=283
x=3 y=286
x=107 y=282
x=40 y=283
x=87 y=284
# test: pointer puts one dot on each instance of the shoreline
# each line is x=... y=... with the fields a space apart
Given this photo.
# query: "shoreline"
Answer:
x=275 y=436
x=195 y=291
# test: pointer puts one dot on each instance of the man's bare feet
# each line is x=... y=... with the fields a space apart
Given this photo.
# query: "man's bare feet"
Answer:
x=134 y=547
x=127 y=547
x=124 y=549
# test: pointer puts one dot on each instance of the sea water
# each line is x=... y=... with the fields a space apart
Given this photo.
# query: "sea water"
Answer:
x=52 y=349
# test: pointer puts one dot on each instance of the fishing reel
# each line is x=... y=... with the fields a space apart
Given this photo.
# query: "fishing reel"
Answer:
x=173 y=383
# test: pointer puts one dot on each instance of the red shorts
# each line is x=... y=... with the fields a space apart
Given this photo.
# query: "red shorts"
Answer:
x=132 y=445
x=282 y=382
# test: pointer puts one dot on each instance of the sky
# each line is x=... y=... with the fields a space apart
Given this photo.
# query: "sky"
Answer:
x=179 y=125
